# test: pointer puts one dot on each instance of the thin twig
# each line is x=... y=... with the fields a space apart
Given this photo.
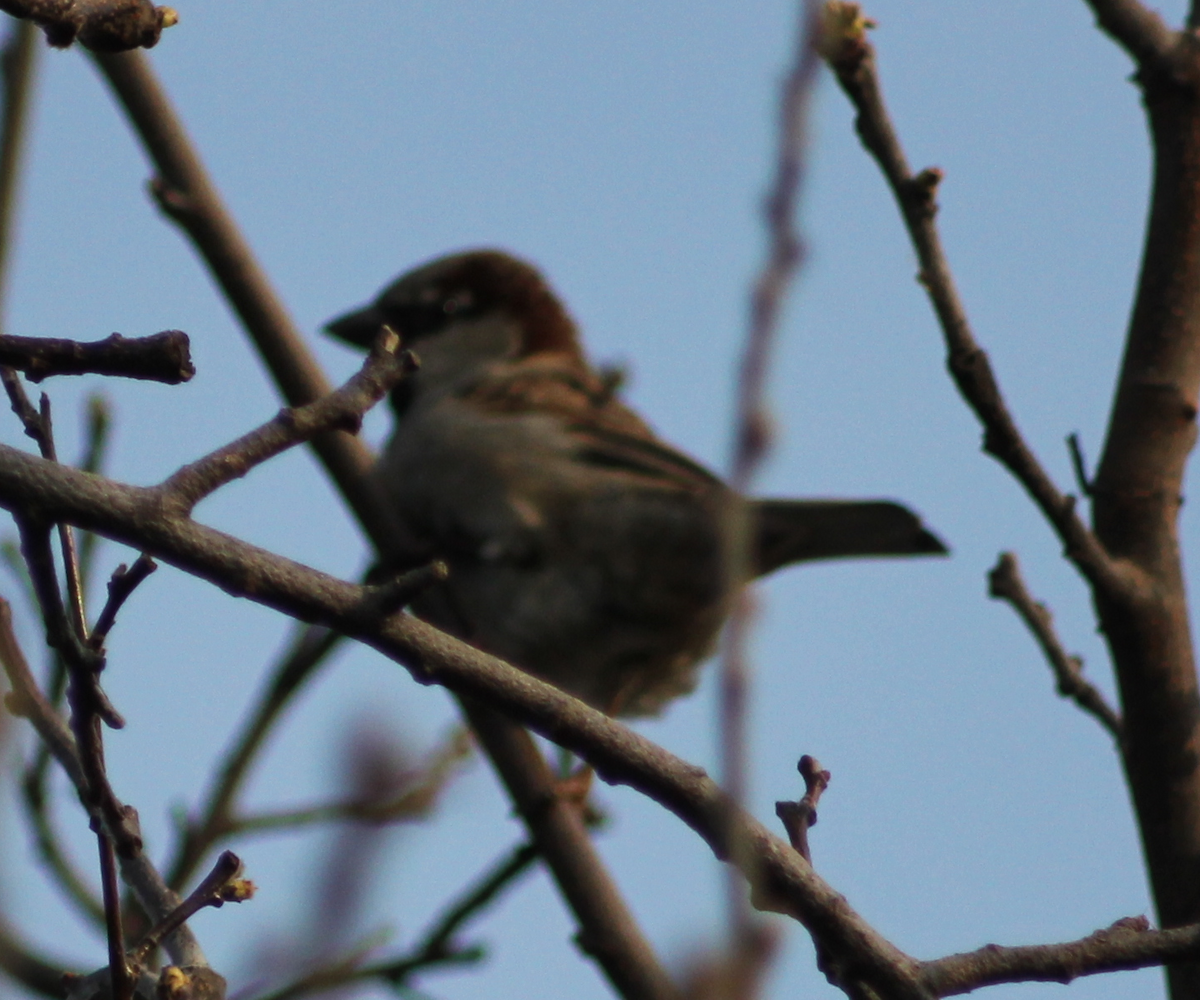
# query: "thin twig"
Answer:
x=852 y=57
x=1079 y=464
x=394 y=594
x=125 y=580
x=37 y=973
x=122 y=975
x=96 y=435
x=436 y=944
x=27 y=701
x=223 y=884
x=797 y=817
x=436 y=947
x=1006 y=584
x=18 y=61
x=752 y=423
x=77 y=617
x=34 y=781
x=328 y=976
x=308 y=651
x=413 y=801
x=115 y=824
x=49 y=845
x=39 y=426
x=341 y=409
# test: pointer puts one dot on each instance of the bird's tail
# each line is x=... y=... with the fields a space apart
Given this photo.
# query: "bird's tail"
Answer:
x=789 y=531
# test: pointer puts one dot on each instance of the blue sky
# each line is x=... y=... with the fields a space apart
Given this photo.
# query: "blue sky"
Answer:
x=625 y=148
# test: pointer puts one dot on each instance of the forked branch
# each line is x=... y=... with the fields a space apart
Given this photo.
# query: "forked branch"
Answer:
x=852 y=57
x=1005 y=583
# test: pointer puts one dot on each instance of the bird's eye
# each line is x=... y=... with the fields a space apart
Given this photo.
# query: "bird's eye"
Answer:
x=457 y=303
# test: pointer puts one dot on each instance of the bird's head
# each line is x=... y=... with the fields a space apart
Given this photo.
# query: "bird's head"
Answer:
x=511 y=309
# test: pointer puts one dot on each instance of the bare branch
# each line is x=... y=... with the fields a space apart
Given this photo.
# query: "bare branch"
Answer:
x=96 y=434
x=607 y=929
x=797 y=817
x=436 y=947
x=184 y=182
x=40 y=427
x=27 y=701
x=341 y=409
x=115 y=824
x=1139 y=30
x=328 y=975
x=49 y=845
x=222 y=885
x=216 y=819
x=786 y=250
x=35 y=972
x=1079 y=464
x=417 y=796
x=162 y=357
x=1006 y=584
x=30 y=420
x=100 y=25
x=781 y=879
x=1127 y=944
x=121 y=976
x=752 y=436
x=394 y=594
x=125 y=580
x=158 y=900
x=17 y=62
x=853 y=60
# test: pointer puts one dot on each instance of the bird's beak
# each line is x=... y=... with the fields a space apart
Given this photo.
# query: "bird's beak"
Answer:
x=359 y=327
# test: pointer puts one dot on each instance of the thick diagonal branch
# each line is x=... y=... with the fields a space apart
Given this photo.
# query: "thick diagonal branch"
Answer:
x=125 y=513
x=781 y=879
x=187 y=194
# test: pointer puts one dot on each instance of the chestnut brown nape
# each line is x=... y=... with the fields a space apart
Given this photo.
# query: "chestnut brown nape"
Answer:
x=500 y=280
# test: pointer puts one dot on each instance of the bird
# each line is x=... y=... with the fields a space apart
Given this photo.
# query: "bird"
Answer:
x=581 y=547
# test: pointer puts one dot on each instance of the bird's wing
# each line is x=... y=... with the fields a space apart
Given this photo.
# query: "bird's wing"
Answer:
x=605 y=432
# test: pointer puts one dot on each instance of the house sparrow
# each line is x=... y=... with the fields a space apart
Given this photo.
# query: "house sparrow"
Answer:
x=580 y=546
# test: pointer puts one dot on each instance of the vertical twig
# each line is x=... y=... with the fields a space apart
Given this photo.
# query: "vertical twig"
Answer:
x=752 y=431
x=18 y=60
x=89 y=708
